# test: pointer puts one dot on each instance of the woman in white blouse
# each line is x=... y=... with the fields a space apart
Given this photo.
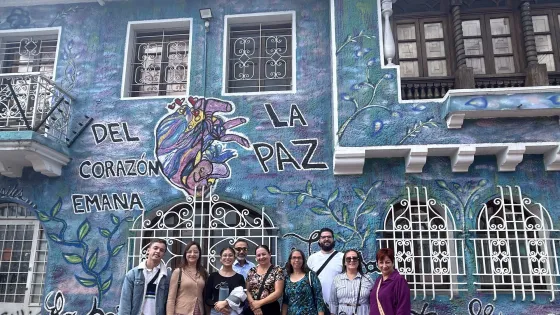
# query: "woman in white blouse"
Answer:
x=350 y=289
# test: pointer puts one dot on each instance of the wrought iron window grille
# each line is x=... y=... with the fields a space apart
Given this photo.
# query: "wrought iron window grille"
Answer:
x=28 y=54
x=23 y=247
x=516 y=247
x=429 y=249
x=260 y=57
x=206 y=219
x=160 y=63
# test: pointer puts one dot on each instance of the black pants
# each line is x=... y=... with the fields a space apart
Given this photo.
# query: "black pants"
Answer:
x=267 y=309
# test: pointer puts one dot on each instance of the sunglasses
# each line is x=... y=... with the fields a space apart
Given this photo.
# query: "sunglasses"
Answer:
x=354 y=258
x=239 y=249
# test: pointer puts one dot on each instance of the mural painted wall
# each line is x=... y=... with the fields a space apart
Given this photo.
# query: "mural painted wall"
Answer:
x=271 y=151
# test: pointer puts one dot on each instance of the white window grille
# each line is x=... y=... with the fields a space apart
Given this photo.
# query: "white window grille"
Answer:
x=23 y=256
x=28 y=53
x=516 y=247
x=158 y=57
x=260 y=53
x=428 y=250
x=213 y=223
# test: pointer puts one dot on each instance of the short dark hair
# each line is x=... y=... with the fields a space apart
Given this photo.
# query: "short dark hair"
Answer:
x=385 y=252
x=241 y=240
x=157 y=240
x=325 y=229
x=290 y=269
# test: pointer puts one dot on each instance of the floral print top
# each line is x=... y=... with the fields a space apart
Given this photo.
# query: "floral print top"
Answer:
x=254 y=280
x=299 y=295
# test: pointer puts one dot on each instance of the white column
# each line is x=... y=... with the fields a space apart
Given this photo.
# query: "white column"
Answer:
x=388 y=41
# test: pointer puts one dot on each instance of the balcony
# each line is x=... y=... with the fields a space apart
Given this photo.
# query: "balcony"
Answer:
x=34 y=123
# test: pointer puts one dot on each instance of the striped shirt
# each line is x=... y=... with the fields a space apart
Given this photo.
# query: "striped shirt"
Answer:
x=344 y=294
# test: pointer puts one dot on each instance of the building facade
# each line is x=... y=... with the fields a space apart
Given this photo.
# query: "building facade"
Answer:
x=430 y=127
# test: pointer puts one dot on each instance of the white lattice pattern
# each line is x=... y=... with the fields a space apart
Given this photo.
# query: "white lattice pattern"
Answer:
x=427 y=251
x=516 y=247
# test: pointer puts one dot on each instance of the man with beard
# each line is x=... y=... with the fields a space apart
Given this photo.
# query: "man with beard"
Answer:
x=241 y=264
x=327 y=263
x=146 y=286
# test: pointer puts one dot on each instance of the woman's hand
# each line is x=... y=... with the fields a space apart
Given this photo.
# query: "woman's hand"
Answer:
x=220 y=306
x=255 y=305
x=258 y=311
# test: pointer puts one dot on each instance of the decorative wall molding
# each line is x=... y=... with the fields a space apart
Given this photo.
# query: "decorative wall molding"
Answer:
x=15 y=155
x=455 y=119
x=351 y=160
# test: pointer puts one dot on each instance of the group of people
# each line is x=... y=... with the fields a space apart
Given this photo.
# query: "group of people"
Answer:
x=330 y=282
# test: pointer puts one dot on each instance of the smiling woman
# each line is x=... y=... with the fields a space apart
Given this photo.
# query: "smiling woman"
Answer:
x=265 y=284
x=221 y=283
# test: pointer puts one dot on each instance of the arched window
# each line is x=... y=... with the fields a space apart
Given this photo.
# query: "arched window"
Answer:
x=427 y=251
x=515 y=247
x=23 y=257
x=213 y=223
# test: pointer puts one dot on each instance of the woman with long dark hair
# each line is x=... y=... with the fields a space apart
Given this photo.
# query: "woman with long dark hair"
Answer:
x=265 y=284
x=350 y=289
x=187 y=284
x=302 y=292
x=390 y=294
x=221 y=283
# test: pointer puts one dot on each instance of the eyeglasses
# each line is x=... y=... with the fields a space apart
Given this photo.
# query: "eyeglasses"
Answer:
x=326 y=237
x=354 y=258
x=239 y=249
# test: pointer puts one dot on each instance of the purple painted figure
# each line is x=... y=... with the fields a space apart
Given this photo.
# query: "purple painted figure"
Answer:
x=390 y=294
x=188 y=145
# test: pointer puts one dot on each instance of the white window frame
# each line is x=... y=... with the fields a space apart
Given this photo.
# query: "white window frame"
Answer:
x=32 y=273
x=258 y=18
x=446 y=255
x=152 y=25
x=34 y=32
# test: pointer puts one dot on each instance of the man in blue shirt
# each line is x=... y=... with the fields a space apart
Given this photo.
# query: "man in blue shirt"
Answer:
x=241 y=264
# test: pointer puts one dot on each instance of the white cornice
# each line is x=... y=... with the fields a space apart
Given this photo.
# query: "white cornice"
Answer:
x=351 y=160
x=25 y=3
x=15 y=155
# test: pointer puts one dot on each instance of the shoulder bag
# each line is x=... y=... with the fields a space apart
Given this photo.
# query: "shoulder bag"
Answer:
x=377 y=297
x=326 y=263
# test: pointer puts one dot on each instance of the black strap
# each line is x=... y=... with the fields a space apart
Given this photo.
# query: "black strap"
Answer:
x=326 y=262
x=154 y=278
x=179 y=282
x=358 y=298
x=261 y=289
x=312 y=289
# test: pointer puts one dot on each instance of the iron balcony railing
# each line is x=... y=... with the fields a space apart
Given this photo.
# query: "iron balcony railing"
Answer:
x=34 y=102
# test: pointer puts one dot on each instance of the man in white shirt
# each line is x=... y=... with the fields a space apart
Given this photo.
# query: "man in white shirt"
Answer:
x=318 y=259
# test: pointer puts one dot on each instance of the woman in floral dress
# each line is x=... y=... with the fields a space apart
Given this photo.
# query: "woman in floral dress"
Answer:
x=302 y=293
x=263 y=298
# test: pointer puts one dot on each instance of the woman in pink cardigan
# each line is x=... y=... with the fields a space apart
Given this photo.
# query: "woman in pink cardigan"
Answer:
x=390 y=294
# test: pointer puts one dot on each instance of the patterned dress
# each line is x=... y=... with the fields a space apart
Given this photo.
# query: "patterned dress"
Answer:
x=299 y=296
x=254 y=281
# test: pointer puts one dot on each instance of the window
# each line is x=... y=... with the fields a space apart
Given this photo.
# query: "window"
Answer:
x=23 y=257
x=158 y=57
x=260 y=53
x=515 y=246
x=427 y=252
x=213 y=223
x=28 y=53
x=489 y=45
x=422 y=48
x=546 y=25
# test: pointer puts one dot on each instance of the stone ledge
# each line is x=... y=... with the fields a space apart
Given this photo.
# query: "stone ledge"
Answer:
x=351 y=160
x=17 y=154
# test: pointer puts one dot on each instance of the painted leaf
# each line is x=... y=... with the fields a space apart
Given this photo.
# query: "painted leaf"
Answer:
x=116 y=250
x=300 y=199
x=368 y=209
x=56 y=208
x=345 y=213
x=333 y=197
x=360 y=193
x=83 y=230
x=367 y=233
x=129 y=219
x=43 y=217
x=55 y=238
x=377 y=184
x=107 y=284
x=92 y=262
x=309 y=188
x=104 y=232
x=441 y=183
x=85 y=281
x=72 y=258
x=477 y=102
x=273 y=189
x=320 y=210
x=115 y=219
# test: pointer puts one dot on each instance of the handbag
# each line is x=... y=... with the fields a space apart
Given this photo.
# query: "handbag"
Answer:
x=377 y=297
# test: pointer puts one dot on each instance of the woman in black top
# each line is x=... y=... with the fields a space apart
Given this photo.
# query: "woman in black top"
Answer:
x=226 y=277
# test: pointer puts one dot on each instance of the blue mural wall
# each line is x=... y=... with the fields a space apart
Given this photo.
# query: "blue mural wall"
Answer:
x=87 y=245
